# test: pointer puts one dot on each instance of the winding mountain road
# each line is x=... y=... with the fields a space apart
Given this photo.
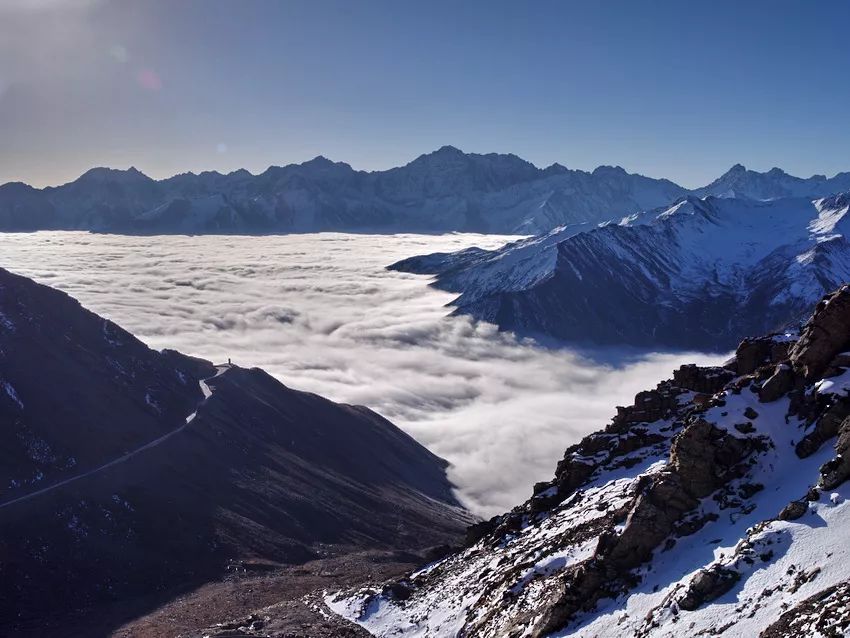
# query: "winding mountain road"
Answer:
x=207 y=392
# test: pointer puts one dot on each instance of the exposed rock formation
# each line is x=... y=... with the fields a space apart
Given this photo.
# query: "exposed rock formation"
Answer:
x=824 y=336
x=704 y=459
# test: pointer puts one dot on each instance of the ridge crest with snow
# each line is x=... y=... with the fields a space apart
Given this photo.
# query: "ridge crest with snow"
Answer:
x=716 y=503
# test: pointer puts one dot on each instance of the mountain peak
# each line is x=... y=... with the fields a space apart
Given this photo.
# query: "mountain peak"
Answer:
x=103 y=174
x=609 y=170
x=322 y=163
x=555 y=169
x=448 y=150
x=443 y=153
x=319 y=160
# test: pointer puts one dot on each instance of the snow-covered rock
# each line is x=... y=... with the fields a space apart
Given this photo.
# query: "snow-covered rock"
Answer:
x=695 y=512
x=738 y=181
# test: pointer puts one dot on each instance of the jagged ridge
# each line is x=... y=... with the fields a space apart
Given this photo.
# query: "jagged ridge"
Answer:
x=716 y=502
x=446 y=190
x=701 y=274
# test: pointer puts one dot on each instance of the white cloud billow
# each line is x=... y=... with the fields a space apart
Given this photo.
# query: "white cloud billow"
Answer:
x=322 y=314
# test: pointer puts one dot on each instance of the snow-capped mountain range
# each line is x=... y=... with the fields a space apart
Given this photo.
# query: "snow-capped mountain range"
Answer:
x=715 y=505
x=702 y=273
x=447 y=190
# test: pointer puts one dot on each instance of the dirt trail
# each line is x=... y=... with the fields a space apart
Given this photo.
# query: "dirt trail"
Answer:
x=205 y=389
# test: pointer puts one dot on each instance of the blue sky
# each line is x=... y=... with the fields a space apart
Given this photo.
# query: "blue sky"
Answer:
x=675 y=89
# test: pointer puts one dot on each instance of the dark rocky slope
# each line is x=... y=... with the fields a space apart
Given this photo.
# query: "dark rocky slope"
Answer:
x=715 y=505
x=111 y=490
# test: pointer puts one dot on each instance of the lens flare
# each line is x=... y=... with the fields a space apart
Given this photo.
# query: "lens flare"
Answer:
x=149 y=80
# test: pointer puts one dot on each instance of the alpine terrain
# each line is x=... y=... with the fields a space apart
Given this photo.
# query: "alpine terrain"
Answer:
x=715 y=505
x=131 y=476
x=700 y=274
x=447 y=190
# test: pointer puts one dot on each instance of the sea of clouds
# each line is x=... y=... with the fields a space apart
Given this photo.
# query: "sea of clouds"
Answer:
x=321 y=313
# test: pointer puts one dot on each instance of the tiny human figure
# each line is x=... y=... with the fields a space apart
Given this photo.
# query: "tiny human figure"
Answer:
x=228 y=361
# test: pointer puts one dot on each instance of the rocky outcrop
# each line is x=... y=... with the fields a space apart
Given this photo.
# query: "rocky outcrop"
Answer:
x=794 y=510
x=824 y=336
x=702 y=379
x=706 y=457
x=826 y=613
x=837 y=470
x=778 y=384
x=827 y=426
x=709 y=461
x=703 y=458
x=649 y=406
x=755 y=352
x=620 y=438
x=708 y=585
x=751 y=354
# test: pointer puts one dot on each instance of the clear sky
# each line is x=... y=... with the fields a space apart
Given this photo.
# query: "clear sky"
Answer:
x=677 y=89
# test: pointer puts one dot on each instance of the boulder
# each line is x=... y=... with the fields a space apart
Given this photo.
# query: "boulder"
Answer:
x=828 y=425
x=794 y=510
x=400 y=590
x=649 y=406
x=778 y=384
x=837 y=470
x=779 y=350
x=708 y=585
x=751 y=354
x=705 y=457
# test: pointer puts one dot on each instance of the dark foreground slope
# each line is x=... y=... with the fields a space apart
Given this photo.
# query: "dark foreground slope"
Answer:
x=128 y=474
x=715 y=505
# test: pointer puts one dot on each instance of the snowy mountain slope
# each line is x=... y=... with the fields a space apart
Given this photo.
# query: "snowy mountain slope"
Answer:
x=774 y=184
x=715 y=505
x=663 y=278
x=446 y=190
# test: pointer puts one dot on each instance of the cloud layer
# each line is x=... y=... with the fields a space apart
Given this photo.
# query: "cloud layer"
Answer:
x=321 y=314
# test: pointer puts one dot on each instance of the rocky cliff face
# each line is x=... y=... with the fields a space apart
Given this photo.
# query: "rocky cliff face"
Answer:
x=716 y=503
x=129 y=474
